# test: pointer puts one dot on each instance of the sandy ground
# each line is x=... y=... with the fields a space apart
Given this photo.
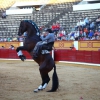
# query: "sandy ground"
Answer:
x=77 y=82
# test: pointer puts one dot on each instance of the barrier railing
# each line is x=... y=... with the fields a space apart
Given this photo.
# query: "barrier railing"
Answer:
x=59 y=55
x=77 y=56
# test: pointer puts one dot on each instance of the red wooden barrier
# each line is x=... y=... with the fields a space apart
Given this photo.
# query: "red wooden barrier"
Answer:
x=80 y=56
x=95 y=57
x=77 y=56
x=59 y=55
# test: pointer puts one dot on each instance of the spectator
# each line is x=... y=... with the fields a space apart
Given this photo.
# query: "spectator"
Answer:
x=86 y=31
x=82 y=24
x=58 y=37
x=60 y=34
x=84 y=34
x=73 y=47
x=4 y=15
x=86 y=20
x=55 y=37
x=53 y=27
x=1 y=39
x=80 y=33
x=5 y=39
x=63 y=31
x=63 y=37
x=76 y=35
x=57 y=26
x=96 y=33
x=11 y=47
x=92 y=26
x=8 y=39
x=41 y=28
x=91 y=33
x=72 y=36
x=98 y=21
x=78 y=25
x=14 y=39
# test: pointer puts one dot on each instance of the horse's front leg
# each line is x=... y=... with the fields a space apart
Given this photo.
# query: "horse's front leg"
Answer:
x=19 y=52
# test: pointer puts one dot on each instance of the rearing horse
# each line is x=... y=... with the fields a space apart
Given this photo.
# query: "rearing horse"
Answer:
x=45 y=61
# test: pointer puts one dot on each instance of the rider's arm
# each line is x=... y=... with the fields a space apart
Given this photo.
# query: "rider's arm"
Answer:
x=45 y=38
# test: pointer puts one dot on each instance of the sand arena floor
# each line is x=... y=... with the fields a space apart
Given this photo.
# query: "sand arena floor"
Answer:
x=77 y=82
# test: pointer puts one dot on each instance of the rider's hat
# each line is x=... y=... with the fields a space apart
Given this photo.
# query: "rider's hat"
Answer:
x=49 y=30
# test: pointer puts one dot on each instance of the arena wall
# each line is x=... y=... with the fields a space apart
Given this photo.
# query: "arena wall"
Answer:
x=87 y=51
x=79 y=45
x=59 y=55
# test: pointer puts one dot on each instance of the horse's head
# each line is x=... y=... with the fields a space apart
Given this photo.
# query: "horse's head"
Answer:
x=30 y=27
x=22 y=28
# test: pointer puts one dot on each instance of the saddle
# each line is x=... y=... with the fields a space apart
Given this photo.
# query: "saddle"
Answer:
x=43 y=49
x=46 y=48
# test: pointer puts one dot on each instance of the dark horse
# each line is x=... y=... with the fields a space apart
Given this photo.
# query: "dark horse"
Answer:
x=45 y=61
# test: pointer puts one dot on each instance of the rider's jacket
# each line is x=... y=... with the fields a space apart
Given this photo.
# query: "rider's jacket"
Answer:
x=49 y=38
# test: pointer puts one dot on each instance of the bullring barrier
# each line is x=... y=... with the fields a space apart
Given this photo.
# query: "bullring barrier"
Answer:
x=59 y=55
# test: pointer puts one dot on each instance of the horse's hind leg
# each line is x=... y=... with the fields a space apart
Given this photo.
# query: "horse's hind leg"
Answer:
x=45 y=80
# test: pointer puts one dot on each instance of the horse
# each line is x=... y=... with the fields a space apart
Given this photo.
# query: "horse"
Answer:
x=45 y=61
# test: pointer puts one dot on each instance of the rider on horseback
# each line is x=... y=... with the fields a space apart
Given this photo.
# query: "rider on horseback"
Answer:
x=47 y=42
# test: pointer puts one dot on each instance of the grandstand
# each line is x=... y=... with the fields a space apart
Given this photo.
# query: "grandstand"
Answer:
x=52 y=11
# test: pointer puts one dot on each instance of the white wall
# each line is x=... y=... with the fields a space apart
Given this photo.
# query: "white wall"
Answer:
x=19 y=11
x=86 y=6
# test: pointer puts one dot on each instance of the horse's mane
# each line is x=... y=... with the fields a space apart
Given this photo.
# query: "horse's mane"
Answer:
x=34 y=26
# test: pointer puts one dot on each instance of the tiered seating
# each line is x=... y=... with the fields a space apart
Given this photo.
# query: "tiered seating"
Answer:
x=70 y=19
x=51 y=12
x=10 y=25
x=61 y=12
x=42 y=18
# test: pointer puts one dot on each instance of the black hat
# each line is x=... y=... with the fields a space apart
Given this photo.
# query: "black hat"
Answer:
x=49 y=30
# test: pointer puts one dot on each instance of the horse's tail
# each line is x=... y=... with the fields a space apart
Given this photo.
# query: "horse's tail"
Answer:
x=55 y=81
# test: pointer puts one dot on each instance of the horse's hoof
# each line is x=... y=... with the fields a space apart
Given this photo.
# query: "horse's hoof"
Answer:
x=22 y=57
x=37 y=90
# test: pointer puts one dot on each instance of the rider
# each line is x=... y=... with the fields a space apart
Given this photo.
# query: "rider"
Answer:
x=47 y=42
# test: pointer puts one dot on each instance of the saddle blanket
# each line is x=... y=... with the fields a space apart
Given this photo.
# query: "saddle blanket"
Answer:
x=45 y=51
